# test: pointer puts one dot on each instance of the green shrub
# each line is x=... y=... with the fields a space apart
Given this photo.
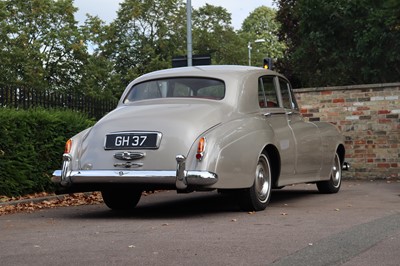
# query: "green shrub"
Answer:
x=31 y=147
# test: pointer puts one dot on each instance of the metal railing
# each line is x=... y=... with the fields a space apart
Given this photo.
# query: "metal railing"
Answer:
x=25 y=98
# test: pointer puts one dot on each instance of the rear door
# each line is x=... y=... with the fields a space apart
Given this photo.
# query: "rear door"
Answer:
x=275 y=116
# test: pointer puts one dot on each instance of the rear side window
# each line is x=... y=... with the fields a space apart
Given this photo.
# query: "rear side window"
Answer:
x=177 y=87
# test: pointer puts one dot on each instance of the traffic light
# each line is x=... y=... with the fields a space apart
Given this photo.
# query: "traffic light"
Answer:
x=267 y=64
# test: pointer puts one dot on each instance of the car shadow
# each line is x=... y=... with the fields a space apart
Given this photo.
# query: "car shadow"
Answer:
x=282 y=196
x=191 y=205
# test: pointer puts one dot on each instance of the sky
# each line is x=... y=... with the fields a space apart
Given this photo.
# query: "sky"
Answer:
x=106 y=9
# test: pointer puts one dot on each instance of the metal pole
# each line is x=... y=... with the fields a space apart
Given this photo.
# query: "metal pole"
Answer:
x=189 y=31
x=249 y=46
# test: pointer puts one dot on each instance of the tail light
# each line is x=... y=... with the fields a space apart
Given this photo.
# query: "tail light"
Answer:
x=68 y=146
x=201 y=148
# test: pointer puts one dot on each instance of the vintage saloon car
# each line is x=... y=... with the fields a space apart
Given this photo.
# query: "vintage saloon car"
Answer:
x=232 y=128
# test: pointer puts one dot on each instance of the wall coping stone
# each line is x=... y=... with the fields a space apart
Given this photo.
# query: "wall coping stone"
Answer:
x=349 y=87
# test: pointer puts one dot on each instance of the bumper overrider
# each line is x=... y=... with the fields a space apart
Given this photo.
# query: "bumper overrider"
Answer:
x=181 y=178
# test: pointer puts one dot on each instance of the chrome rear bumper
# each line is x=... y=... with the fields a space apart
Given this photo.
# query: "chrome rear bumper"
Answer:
x=181 y=178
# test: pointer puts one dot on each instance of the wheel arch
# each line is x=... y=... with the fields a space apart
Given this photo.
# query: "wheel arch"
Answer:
x=275 y=163
x=341 y=152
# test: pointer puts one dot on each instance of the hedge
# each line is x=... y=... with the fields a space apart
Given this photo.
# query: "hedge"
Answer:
x=31 y=147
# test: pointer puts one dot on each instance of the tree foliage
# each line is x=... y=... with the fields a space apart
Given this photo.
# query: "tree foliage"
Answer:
x=261 y=24
x=98 y=75
x=43 y=46
x=214 y=35
x=145 y=36
x=320 y=43
x=39 y=43
x=340 y=42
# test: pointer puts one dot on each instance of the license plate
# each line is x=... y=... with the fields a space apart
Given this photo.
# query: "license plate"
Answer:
x=132 y=140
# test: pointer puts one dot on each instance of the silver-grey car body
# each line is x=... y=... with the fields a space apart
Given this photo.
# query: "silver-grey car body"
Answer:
x=233 y=128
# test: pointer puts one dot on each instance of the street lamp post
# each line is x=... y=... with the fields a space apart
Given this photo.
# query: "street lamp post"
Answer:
x=189 y=32
x=249 y=47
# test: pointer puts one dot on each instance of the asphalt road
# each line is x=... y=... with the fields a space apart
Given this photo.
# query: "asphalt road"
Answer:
x=358 y=226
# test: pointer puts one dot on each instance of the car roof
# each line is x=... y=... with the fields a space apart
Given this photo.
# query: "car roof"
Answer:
x=238 y=78
x=213 y=71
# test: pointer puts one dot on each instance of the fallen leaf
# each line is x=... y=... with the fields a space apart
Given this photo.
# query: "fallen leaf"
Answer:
x=52 y=202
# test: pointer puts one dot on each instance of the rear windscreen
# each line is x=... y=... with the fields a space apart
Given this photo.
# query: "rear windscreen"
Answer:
x=177 y=87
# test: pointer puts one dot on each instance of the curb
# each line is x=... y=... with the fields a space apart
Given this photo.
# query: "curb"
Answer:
x=33 y=200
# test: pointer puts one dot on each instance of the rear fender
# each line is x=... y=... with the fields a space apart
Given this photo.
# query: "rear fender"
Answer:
x=232 y=151
x=76 y=148
x=332 y=141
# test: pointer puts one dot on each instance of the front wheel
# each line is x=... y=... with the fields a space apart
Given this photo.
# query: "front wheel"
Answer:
x=333 y=184
x=121 y=199
x=256 y=197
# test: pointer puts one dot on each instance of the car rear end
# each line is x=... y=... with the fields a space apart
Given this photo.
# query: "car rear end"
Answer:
x=150 y=139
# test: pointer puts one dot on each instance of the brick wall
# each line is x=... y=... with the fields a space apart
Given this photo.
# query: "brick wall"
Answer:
x=368 y=116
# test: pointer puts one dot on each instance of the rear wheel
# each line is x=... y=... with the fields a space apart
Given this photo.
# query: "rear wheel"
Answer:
x=333 y=184
x=121 y=199
x=256 y=197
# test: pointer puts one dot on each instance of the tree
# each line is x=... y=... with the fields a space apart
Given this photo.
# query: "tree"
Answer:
x=98 y=75
x=288 y=18
x=40 y=45
x=261 y=24
x=145 y=36
x=341 y=42
x=213 y=35
x=376 y=40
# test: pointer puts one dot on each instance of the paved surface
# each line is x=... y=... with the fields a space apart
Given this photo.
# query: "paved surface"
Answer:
x=358 y=226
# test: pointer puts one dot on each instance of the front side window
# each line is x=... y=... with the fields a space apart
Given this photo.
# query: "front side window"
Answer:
x=177 y=87
x=288 y=99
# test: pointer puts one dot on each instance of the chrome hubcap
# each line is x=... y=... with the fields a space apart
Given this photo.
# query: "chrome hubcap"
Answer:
x=262 y=182
x=336 y=172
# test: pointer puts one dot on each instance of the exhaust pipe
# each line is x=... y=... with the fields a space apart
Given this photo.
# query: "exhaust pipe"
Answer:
x=346 y=166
